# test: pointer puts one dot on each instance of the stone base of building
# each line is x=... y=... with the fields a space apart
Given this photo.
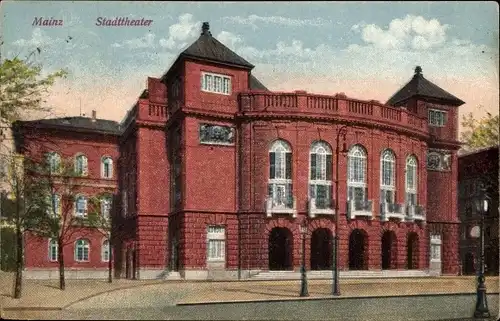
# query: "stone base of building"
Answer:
x=69 y=274
x=435 y=268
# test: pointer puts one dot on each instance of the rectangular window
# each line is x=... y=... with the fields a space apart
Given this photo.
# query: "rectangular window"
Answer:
x=437 y=117
x=53 y=250
x=281 y=195
x=357 y=194
x=81 y=206
x=216 y=243
x=411 y=198
x=106 y=207
x=387 y=196
x=322 y=194
x=215 y=83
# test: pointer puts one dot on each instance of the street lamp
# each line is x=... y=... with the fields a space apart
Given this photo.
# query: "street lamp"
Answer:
x=303 y=279
x=341 y=132
x=481 y=301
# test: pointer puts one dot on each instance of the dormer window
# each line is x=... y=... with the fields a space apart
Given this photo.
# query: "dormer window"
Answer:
x=437 y=117
x=215 y=83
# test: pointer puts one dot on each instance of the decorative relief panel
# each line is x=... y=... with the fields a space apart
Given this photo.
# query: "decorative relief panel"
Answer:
x=216 y=134
x=438 y=160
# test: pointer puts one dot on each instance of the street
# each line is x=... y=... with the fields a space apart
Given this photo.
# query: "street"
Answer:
x=442 y=307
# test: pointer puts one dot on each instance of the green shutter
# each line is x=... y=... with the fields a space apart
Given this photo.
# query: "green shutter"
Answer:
x=289 y=165
x=272 y=165
x=329 y=167
x=313 y=166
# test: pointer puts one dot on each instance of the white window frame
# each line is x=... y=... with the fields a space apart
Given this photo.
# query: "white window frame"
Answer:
x=356 y=155
x=106 y=160
x=85 y=200
x=106 y=201
x=320 y=150
x=411 y=165
x=215 y=83
x=84 y=246
x=105 y=250
x=388 y=164
x=437 y=117
x=280 y=182
x=53 y=250
x=216 y=243
x=435 y=251
x=84 y=170
x=54 y=162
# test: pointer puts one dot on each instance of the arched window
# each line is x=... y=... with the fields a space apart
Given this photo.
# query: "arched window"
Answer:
x=53 y=162
x=411 y=180
x=387 y=177
x=81 y=250
x=280 y=174
x=320 y=174
x=107 y=167
x=81 y=165
x=356 y=180
x=105 y=251
x=53 y=254
x=81 y=206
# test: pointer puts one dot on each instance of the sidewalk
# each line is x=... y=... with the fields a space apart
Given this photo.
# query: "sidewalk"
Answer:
x=45 y=295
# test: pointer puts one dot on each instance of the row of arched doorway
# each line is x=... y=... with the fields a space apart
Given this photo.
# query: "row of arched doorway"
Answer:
x=321 y=258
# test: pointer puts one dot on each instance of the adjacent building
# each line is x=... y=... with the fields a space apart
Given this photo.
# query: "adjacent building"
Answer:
x=215 y=174
x=475 y=170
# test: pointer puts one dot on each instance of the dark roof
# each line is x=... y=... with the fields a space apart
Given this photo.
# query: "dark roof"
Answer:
x=419 y=86
x=79 y=122
x=255 y=84
x=210 y=49
x=465 y=153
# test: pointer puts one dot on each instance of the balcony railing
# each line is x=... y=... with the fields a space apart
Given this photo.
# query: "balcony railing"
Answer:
x=281 y=206
x=360 y=208
x=321 y=205
x=415 y=213
x=391 y=210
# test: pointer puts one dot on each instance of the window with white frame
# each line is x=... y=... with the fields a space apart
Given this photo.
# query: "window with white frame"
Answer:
x=320 y=174
x=81 y=250
x=437 y=117
x=54 y=162
x=54 y=205
x=81 y=165
x=387 y=177
x=107 y=167
x=356 y=181
x=53 y=254
x=216 y=243
x=435 y=247
x=81 y=206
x=105 y=251
x=280 y=174
x=215 y=83
x=411 y=180
x=105 y=206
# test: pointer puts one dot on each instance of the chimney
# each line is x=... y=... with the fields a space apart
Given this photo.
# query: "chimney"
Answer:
x=94 y=114
x=205 y=29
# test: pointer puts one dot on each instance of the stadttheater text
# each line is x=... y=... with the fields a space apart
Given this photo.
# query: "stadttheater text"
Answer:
x=122 y=22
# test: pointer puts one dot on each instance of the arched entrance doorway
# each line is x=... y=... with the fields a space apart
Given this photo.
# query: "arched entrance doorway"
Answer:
x=358 y=250
x=389 y=250
x=469 y=268
x=280 y=249
x=321 y=249
x=412 y=251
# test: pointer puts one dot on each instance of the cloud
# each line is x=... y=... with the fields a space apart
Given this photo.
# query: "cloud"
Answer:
x=180 y=33
x=410 y=32
x=38 y=39
x=255 y=20
x=147 y=41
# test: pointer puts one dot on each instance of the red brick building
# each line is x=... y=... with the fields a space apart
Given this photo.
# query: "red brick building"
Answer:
x=216 y=174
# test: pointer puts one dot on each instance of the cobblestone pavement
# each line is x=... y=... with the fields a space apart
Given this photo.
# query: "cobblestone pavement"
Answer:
x=443 y=307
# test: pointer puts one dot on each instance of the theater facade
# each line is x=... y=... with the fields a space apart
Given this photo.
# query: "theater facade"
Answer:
x=215 y=176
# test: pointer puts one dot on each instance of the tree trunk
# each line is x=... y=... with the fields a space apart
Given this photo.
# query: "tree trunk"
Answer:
x=19 y=263
x=60 y=254
x=110 y=264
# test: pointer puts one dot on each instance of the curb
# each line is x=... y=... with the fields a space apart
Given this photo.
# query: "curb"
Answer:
x=325 y=298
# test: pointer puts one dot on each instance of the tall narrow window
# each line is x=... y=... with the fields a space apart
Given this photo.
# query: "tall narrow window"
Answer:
x=53 y=162
x=107 y=167
x=280 y=175
x=81 y=165
x=81 y=206
x=320 y=174
x=356 y=180
x=81 y=250
x=216 y=243
x=105 y=251
x=411 y=180
x=53 y=250
x=387 y=177
x=54 y=205
x=106 y=207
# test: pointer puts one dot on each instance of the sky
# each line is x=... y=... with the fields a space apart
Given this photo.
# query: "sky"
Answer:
x=368 y=50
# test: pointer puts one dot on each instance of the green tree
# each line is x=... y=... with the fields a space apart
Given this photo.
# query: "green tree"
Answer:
x=481 y=132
